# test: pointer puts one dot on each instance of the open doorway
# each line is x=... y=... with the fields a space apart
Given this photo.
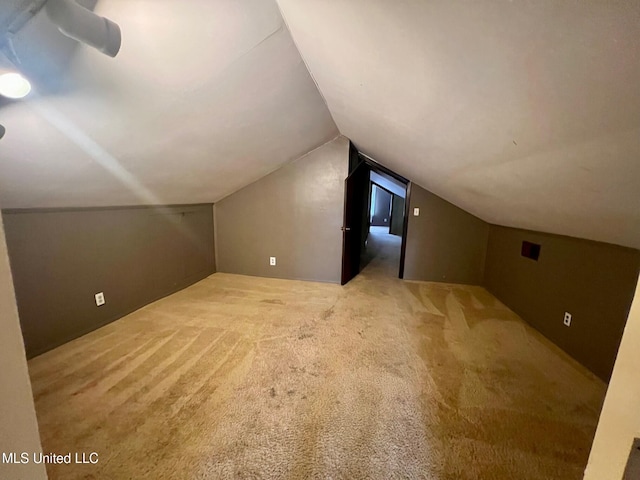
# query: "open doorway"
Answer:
x=383 y=244
x=375 y=218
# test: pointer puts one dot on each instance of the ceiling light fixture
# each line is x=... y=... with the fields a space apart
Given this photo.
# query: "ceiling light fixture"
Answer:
x=14 y=85
x=81 y=24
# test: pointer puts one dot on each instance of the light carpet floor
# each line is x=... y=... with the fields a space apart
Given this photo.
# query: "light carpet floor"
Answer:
x=242 y=377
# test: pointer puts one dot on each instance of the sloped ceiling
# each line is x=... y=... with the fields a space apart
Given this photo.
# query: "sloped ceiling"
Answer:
x=203 y=98
x=524 y=113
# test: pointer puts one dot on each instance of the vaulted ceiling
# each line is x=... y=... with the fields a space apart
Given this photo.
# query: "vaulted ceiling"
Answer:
x=524 y=113
x=203 y=98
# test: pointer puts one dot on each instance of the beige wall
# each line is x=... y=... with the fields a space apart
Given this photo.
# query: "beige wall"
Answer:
x=18 y=426
x=294 y=214
x=620 y=418
x=593 y=281
x=444 y=243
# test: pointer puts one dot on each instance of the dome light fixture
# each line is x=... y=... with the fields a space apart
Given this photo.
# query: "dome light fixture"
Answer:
x=13 y=85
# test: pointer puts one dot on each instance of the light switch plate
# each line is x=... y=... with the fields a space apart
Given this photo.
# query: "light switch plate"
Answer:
x=416 y=212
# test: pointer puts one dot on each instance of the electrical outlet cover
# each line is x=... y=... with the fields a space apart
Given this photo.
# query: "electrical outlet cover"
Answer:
x=567 y=319
x=272 y=261
x=100 y=299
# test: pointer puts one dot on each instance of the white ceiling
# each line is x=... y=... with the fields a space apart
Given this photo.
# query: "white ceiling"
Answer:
x=525 y=113
x=203 y=98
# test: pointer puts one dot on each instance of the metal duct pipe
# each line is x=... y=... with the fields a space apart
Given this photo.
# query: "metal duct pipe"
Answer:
x=85 y=26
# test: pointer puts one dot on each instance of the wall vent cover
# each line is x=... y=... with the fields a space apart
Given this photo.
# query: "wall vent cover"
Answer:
x=530 y=250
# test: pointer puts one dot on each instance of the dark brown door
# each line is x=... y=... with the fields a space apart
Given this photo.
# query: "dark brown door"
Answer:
x=356 y=189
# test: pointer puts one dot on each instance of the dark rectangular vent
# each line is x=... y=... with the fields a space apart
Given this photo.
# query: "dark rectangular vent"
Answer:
x=530 y=250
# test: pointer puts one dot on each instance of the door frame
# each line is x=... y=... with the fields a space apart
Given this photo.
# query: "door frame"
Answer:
x=376 y=167
x=405 y=228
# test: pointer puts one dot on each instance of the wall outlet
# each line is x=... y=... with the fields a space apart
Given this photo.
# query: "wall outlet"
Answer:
x=272 y=261
x=567 y=319
x=99 y=298
x=416 y=212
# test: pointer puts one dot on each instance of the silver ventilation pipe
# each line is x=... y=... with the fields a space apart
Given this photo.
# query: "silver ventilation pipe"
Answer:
x=85 y=26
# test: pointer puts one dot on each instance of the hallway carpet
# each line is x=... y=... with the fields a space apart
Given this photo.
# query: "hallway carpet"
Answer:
x=242 y=377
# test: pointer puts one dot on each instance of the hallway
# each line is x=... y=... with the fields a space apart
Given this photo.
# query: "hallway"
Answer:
x=382 y=254
x=246 y=377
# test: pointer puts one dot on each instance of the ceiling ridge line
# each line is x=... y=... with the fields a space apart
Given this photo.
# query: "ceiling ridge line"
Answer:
x=306 y=65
